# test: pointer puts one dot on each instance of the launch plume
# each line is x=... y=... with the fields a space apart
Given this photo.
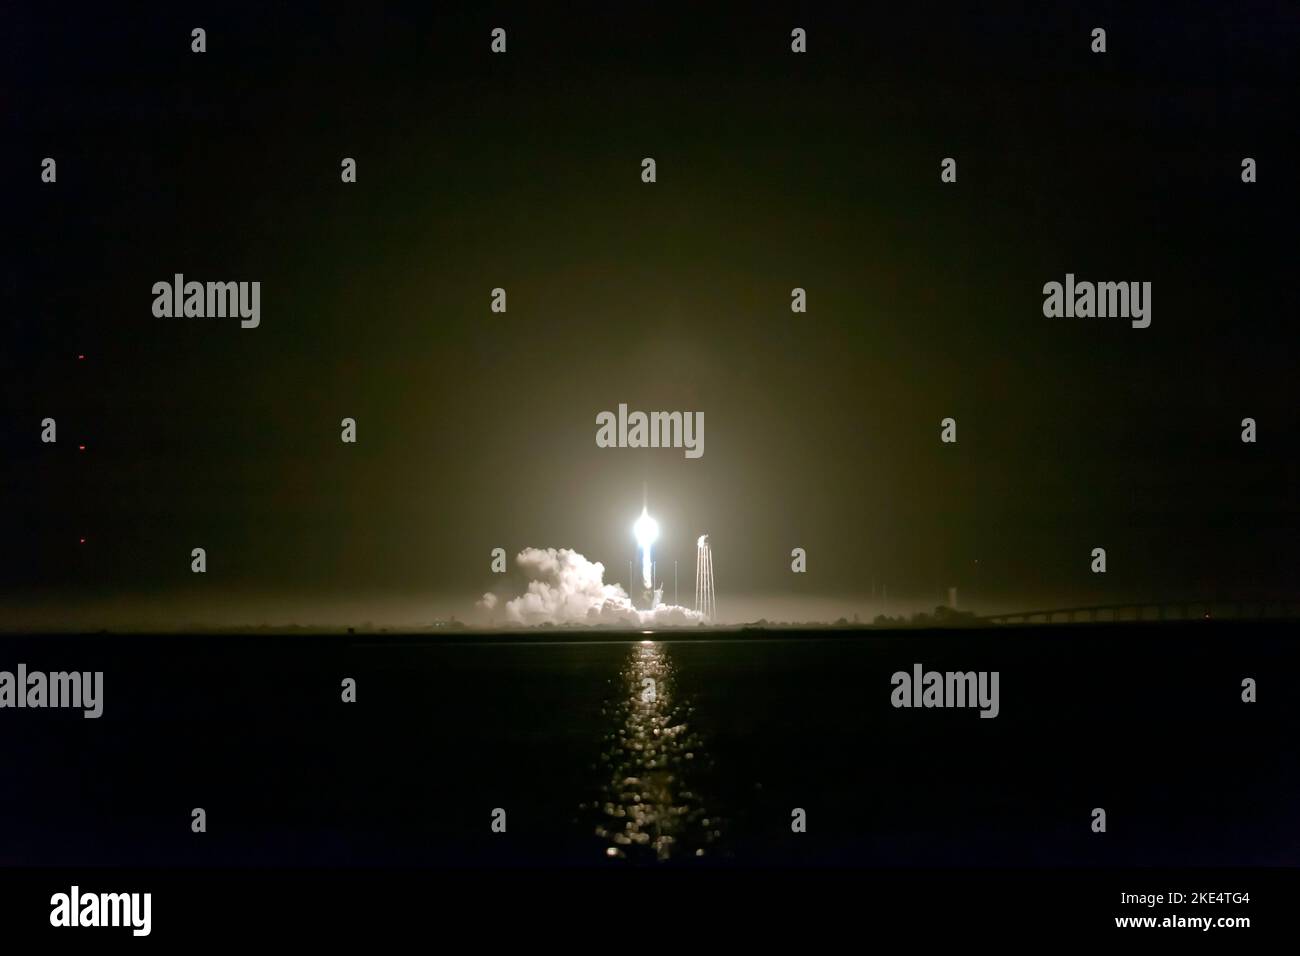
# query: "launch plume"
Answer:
x=564 y=588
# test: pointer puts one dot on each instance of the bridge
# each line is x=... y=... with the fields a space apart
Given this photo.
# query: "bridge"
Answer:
x=1158 y=611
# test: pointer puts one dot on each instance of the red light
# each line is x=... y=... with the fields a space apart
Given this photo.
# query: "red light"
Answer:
x=81 y=448
x=83 y=540
x=81 y=358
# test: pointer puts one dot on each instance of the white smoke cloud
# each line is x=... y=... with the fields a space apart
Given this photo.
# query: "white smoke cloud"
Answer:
x=565 y=588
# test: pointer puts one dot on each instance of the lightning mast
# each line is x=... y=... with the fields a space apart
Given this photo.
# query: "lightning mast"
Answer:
x=705 y=599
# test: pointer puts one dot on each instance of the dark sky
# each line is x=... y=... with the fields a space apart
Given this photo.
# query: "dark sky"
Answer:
x=477 y=430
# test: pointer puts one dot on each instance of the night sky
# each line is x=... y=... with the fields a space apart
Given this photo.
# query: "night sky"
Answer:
x=476 y=430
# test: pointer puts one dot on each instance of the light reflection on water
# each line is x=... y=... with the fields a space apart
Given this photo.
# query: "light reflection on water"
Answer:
x=649 y=810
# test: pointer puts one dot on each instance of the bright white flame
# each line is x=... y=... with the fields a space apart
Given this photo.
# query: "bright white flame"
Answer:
x=646 y=530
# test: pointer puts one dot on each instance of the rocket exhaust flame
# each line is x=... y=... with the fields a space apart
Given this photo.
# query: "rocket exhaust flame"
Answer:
x=646 y=531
